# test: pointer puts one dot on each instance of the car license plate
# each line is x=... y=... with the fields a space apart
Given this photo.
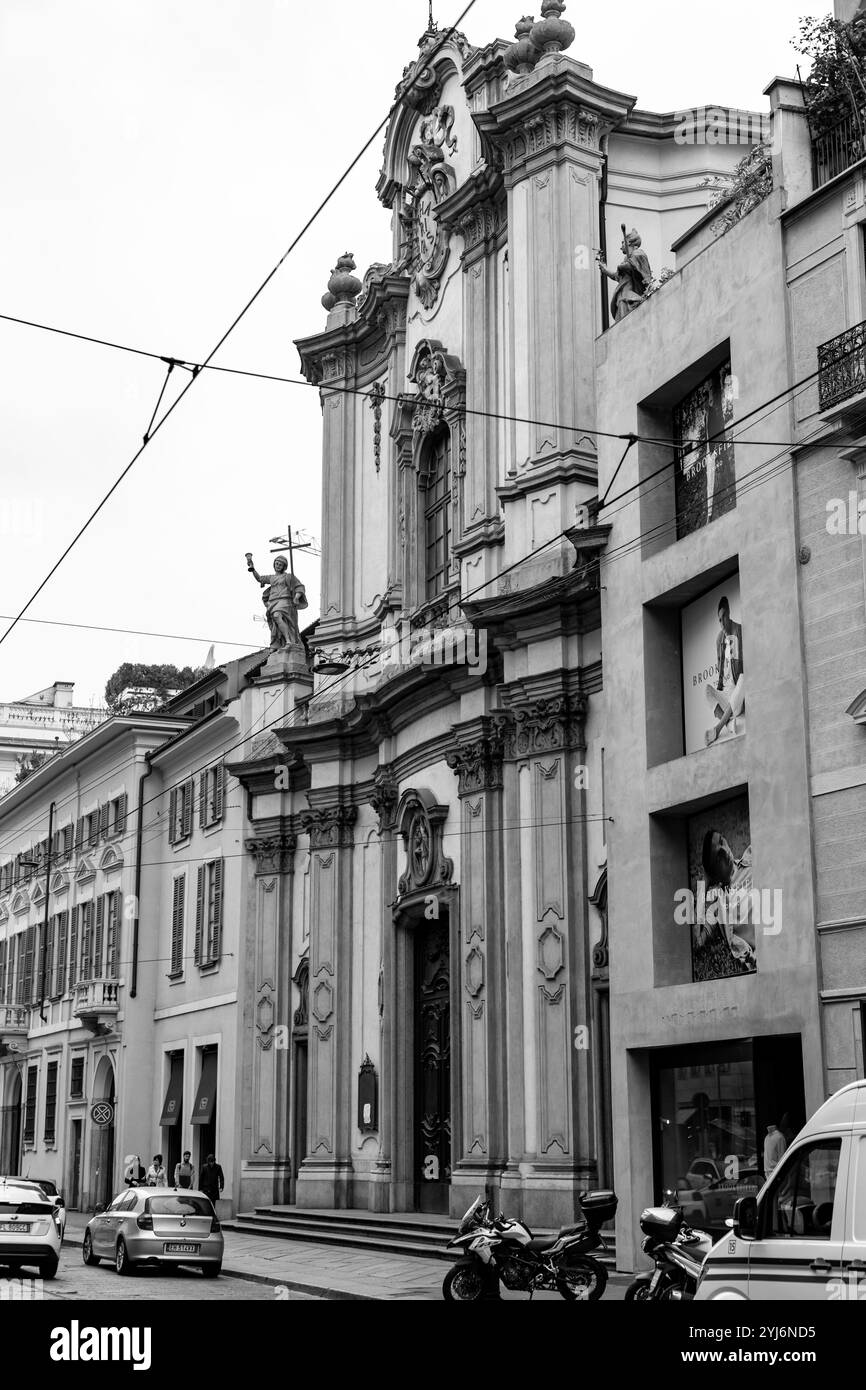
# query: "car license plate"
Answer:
x=177 y=1247
x=15 y=1227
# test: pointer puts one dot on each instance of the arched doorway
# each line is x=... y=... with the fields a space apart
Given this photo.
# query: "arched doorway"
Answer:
x=10 y=1126
x=102 y=1183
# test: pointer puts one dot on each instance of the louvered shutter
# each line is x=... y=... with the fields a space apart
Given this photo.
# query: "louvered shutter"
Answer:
x=219 y=791
x=216 y=931
x=199 y=911
x=2 y=973
x=39 y=964
x=60 y=956
x=120 y=822
x=177 y=910
x=49 y=956
x=86 y=972
x=172 y=816
x=79 y=832
x=202 y=798
x=99 y=934
x=104 y=819
x=73 y=948
x=29 y=946
x=188 y=794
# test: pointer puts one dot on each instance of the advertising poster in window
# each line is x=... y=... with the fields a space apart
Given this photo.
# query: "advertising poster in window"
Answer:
x=705 y=483
x=714 y=682
x=720 y=906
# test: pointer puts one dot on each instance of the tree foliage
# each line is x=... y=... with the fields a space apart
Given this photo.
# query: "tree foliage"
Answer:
x=749 y=184
x=29 y=762
x=836 y=85
x=141 y=675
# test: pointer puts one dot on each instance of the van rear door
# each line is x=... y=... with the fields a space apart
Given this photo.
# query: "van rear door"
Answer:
x=798 y=1253
x=854 y=1247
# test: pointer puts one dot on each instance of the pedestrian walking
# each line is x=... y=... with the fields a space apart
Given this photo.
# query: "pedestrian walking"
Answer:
x=184 y=1172
x=156 y=1175
x=212 y=1179
x=133 y=1171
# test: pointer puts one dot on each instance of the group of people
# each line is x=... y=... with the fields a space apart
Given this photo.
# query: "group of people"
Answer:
x=211 y=1179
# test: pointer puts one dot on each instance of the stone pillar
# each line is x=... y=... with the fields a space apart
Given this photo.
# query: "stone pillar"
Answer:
x=479 y=1134
x=544 y=744
x=267 y=1139
x=325 y=1177
x=338 y=510
x=383 y=799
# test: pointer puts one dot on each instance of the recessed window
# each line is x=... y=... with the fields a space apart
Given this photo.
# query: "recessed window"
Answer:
x=437 y=515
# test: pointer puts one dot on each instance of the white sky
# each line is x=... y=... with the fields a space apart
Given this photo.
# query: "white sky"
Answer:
x=156 y=160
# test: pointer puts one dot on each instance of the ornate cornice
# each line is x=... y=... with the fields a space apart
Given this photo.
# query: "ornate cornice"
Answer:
x=545 y=725
x=330 y=827
x=274 y=854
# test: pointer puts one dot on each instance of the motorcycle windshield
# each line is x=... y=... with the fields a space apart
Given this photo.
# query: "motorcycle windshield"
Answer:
x=469 y=1214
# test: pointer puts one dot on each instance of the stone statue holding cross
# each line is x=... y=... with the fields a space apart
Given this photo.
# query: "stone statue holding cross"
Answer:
x=283 y=596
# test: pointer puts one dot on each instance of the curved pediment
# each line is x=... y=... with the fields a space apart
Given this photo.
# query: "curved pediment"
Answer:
x=37 y=892
x=418 y=96
x=60 y=881
x=85 y=871
x=111 y=859
x=21 y=902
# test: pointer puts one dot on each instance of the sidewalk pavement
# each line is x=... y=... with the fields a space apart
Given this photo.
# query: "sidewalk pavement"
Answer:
x=334 y=1272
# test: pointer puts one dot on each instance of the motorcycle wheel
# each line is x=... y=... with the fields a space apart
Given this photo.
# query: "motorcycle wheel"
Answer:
x=582 y=1281
x=464 y=1283
x=638 y=1290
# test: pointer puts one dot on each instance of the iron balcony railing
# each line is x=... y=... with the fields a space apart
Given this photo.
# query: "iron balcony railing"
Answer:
x=838 y=148
x=842 y=367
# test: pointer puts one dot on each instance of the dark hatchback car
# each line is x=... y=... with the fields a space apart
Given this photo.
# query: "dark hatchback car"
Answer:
x=151 y=1226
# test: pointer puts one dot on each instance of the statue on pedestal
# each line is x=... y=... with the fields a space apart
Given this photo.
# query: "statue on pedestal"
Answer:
x=283 y=596
x=633 y=276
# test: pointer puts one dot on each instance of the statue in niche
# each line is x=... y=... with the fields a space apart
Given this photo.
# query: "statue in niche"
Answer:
x=633 y=276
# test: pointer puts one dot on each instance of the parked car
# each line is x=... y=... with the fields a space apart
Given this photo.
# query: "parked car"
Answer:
x=804 y=1235
x=55 y=1196
x=150 y=1226
x=29 y=1230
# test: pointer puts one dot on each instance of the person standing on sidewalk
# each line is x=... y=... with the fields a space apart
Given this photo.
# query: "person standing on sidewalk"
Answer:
x=184 y=1172
x=212 y=1180
x=156 y=1176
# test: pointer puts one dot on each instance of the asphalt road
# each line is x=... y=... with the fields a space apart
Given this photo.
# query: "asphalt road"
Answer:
x=77 y=1282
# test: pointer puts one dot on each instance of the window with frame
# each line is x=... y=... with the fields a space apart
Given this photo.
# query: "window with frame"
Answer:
x=117 y=815
x=211 y=785
x=76 y=1078
x=73 y=947
x=803 y=1194
x=437 y=515
x=61 y=933
x=25 y=965
x=208 y=914
x=178 y=907
x=91 y=828
x=50 y=1103
x=30 y=1106
x=86 y=942
x=180 y=812
x=4 y=948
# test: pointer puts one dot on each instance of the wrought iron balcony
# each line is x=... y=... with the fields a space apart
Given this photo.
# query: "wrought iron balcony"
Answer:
x=95 y=999
x=838 y=148
x=14 y=1022
x=842 y=367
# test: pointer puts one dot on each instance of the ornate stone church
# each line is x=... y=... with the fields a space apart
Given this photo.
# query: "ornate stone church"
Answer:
x=428 y=823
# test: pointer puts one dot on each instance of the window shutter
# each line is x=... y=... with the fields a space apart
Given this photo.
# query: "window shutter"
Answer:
x=99 y=934
x=2 y=973
x=217 y=927
x=86 y=971
x=202 y=798
x=104 y=817
x=79 y=832
x=219 y=791
x=93 y=829
x=199 y=912
x=49 y=956
x=29 y=942
x=188 y=794
x=172 y=816
x=39 y=964
x=73 y=948
x=177 y=909
x=60 y=954
x=112 y=933
x=120 y=823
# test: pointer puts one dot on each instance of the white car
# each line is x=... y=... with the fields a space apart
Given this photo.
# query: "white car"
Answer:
x=29 y=1230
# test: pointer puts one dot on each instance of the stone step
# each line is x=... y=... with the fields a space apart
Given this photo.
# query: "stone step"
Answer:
x=397 y=1233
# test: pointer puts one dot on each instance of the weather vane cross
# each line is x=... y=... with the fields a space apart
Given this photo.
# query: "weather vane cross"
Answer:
x=432 y=28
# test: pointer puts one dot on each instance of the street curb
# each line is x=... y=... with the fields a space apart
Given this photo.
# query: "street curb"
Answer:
x=294 y=1285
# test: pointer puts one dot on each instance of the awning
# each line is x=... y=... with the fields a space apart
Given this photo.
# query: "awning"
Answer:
x=173 y=1098
x=205 y=1100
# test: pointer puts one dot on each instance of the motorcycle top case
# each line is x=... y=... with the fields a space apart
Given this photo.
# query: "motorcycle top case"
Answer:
x=598 y=1207
x=662 y=1223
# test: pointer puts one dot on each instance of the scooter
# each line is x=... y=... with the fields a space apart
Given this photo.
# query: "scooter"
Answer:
x=678 y=1252
x=495 y=1250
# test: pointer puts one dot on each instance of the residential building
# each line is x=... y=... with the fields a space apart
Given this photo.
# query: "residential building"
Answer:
x=41 y=723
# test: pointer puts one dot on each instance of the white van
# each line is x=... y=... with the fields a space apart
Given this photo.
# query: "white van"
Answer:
x=804 y=1235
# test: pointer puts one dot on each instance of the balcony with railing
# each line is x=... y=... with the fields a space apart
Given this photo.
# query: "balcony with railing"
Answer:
x=839 y=147
x=95 y=999
x=14 y=1022
x=842 y=372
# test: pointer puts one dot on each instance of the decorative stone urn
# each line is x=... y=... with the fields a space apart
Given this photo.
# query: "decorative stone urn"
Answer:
x=522 y=56
x=552 y=34
x=343 y=286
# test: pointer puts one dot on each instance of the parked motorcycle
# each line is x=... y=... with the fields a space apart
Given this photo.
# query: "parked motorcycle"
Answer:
x=496 y=1250
x=678 y=1252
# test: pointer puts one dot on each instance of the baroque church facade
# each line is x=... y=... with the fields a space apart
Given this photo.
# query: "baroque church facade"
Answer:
x=428 y=826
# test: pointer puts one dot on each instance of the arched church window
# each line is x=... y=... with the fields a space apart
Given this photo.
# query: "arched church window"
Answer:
x=436 y=485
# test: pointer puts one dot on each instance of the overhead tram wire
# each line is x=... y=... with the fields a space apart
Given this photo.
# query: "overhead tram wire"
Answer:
x=197 y=370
